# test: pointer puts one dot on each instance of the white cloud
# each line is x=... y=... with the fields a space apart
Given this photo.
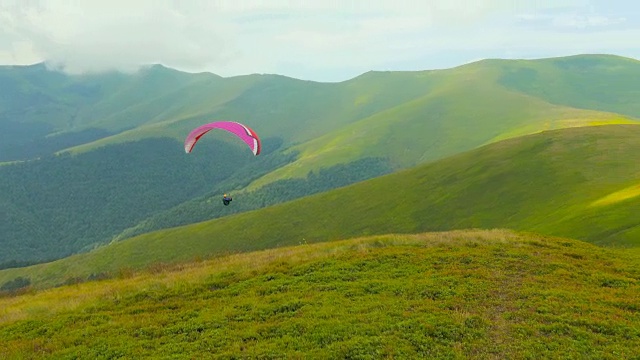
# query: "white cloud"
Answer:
x=570 y=20
x=231 y=37
x=585 y=21
x=119 y=35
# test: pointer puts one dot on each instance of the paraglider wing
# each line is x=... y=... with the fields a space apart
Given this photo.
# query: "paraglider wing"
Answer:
x=245 y=133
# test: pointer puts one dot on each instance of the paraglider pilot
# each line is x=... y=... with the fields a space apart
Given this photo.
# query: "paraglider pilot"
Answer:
x=226 y=199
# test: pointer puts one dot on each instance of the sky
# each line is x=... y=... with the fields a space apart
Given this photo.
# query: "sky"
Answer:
x=319 y=40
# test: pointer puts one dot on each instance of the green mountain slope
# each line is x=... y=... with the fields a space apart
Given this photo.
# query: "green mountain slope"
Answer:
x=468 y=105
x=459 y=109
x=390 y=120
x=463 y=294
x=467 y=110
x=571 y=182
x=161 y=101
x=453 y=110
x=276 y=106
x=598 y=82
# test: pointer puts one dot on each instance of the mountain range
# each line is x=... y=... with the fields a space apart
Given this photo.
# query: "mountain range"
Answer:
x=98 y=158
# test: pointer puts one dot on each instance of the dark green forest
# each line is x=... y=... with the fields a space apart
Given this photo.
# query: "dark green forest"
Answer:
x=24 y=141
x=210 y=206
x=58 y=205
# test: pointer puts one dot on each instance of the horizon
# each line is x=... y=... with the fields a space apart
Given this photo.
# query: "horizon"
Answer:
x=323 y=42
x=142 y=67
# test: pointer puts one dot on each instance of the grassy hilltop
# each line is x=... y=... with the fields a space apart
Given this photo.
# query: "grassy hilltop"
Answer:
x=464 y=294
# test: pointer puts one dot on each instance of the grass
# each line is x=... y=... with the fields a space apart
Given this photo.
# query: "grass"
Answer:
x=463 y=294
x=619 y=196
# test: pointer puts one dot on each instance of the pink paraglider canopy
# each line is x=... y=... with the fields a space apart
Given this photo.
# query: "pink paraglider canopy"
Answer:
x=242 y=131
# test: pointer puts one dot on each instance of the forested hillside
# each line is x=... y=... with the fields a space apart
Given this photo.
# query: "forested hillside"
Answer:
x=69 y=203
x=59 y=205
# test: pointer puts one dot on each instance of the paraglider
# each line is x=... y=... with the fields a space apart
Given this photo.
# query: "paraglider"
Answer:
x=242 y=131
x=245 y=134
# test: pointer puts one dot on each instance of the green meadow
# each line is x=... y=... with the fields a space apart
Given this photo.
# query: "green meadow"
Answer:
x=463 y=294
